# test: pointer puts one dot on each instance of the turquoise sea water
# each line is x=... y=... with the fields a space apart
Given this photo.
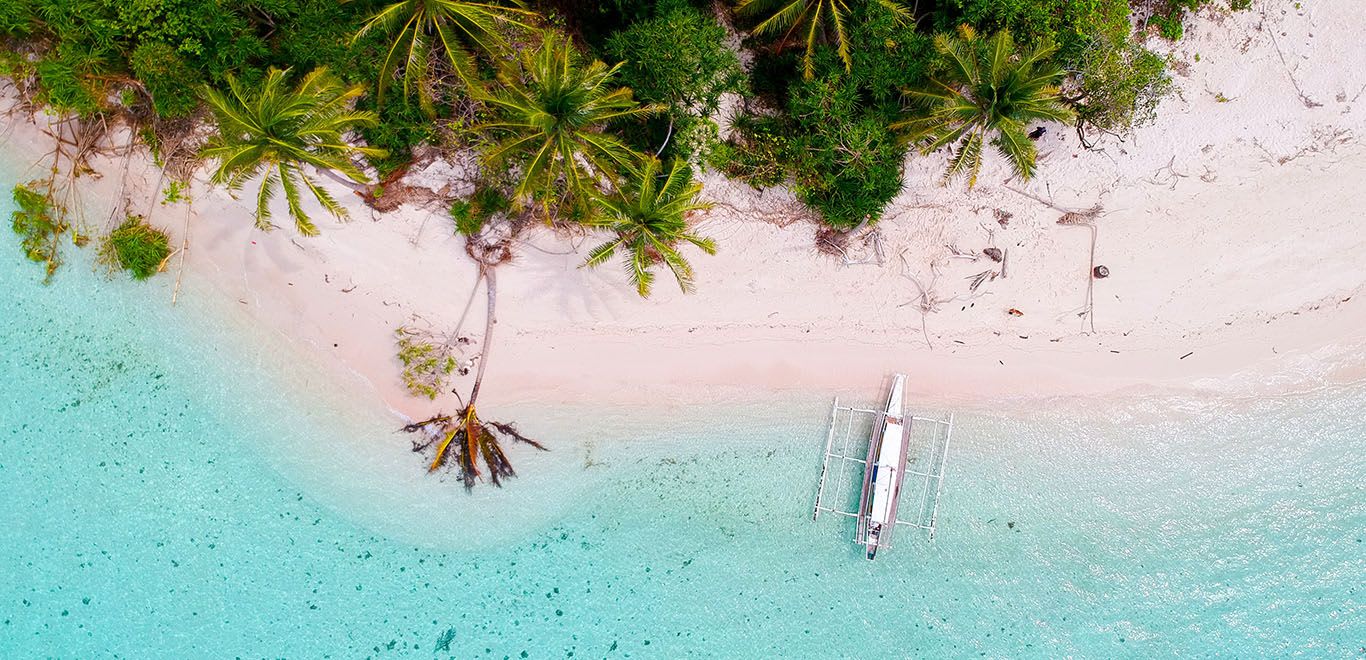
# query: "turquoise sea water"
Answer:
x=176 y=483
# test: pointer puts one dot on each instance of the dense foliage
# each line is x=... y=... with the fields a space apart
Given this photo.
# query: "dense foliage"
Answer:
x=678 y=59
x=569 y=100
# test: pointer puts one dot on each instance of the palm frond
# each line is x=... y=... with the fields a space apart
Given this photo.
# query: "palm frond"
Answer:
x=966 y=108
x=276 y=129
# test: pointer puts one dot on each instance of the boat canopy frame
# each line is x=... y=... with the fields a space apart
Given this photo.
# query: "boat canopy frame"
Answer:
x=844 y=455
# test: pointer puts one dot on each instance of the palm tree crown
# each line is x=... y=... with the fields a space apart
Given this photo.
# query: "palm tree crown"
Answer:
x=274 y=131
x=455 y=25
x=991 y=91
x=550 y=113
x=649 y=215
x=808 y=20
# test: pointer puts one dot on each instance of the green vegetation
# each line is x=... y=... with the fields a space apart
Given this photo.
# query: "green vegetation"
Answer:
x=990 y=92
x=473 y=213
x=273 y=132
x=526 y=82
x=586 y=114
x=649 y=216
x=452 y=27
x=811 y=22
x=549 y=121
x=428 y=361
x=1120 y=85
x=678 y=59
x=136 y=247
x=41 y=226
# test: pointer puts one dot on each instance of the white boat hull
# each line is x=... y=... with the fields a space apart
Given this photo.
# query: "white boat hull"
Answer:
x=885 y=467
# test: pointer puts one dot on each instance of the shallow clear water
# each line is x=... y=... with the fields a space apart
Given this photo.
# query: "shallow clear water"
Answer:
x=176 y=483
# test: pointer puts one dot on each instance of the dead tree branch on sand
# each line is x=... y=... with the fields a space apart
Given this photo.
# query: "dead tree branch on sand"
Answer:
x=926 y=302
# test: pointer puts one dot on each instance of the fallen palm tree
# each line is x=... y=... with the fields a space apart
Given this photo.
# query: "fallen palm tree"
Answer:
x=464 y=435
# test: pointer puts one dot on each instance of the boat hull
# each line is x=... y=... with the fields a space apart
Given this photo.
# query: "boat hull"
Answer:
x=885 y=465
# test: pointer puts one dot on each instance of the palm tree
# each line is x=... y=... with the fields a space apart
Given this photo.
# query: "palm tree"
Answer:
x=454 y=24
x=550 y=113
x=991 y=91
x=649 y=216
x=274 y=131
x=808 y=18
x=465 y=435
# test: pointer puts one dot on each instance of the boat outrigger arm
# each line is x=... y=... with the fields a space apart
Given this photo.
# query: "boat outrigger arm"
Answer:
x=892 y=455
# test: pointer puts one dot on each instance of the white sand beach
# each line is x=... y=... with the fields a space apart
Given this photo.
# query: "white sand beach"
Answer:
x=1232 y=230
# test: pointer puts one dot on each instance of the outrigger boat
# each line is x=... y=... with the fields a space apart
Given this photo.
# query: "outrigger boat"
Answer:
x=897 y=440
x=882 y=480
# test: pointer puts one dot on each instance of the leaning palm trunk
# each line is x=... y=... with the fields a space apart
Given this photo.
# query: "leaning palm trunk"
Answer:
x=470 y=438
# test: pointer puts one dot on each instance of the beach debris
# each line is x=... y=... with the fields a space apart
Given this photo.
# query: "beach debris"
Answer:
x=1002 y=216
x=856 y=247
x=980 y=278
x=1014 y=312
x=993 y=253
x=1038 y=132
x=927 y=302
x=1186 y=355
x=1100 y=272
x=956 y=252
x=469 y=440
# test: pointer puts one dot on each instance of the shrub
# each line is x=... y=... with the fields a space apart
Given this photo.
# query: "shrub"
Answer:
x=16 y=17
x=136 y=247
x=855 y=171
x=1120 y=87
x=889 y=55
x=40 y=225
x=680 y=59
x=760 y=156
x=1071 y=24
x=847 y=163
x=471 y=214
x=65 y=89
x=401 y=127
x=167 y=77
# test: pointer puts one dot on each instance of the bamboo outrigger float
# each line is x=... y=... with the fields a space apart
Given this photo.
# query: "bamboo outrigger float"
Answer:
x=892 y=455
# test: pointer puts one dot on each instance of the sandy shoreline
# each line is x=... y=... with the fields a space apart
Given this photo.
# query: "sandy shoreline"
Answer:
x=1232 y=230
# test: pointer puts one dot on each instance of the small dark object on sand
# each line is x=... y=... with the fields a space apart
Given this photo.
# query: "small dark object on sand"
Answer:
x=1014 y=312
x=1100 y=272
x=1038 y=132
x=993 y=253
